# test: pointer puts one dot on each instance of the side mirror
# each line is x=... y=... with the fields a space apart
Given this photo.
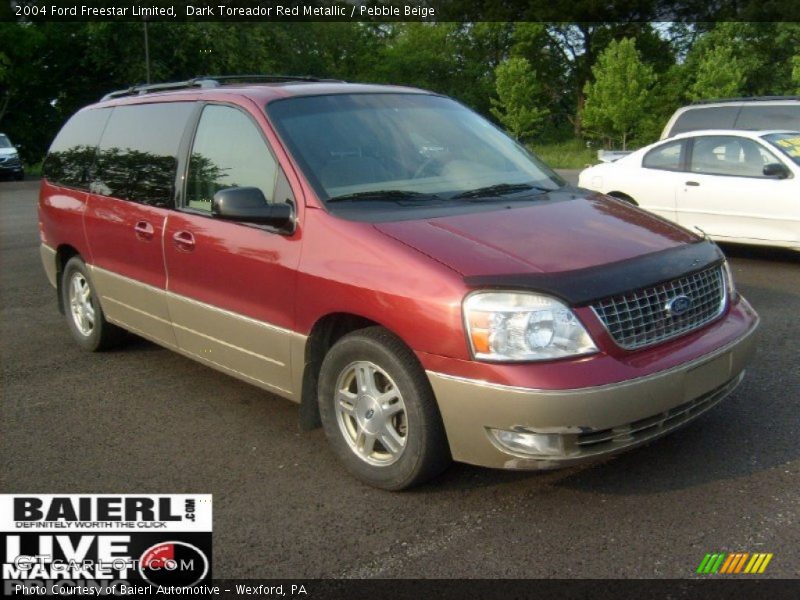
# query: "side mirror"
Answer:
x=776 y=170
x=249 y=204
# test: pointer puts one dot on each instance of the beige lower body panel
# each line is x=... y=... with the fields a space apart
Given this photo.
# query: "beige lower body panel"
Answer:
x=135 y=306
x=250 y=350
x=254 y=350
x=48 y=256
x=469 y=407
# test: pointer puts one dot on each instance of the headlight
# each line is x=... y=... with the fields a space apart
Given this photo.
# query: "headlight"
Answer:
x=521 y=326
x=729 y=281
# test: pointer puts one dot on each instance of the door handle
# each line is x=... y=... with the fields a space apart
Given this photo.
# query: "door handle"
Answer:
x=692 y=183
x=183 y=241
x=144 y=230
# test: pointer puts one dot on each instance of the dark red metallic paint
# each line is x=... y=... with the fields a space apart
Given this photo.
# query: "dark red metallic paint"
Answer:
x=61 y=218
x=544 y=237
x=406 y=276
x=242 y=269
x=116 y=230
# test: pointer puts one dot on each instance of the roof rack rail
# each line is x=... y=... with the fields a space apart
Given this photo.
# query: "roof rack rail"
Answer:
x=209 y=81
x=746 y=99
x=268 y=78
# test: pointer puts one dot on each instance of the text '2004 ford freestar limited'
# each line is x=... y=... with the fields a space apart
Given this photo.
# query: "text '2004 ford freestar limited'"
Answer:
x=395 y=264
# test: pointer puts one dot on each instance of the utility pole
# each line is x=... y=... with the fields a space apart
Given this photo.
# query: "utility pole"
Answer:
x=146 y=51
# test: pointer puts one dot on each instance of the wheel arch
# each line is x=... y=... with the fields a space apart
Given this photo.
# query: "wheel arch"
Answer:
x=623 y=196
x=63 y=254
x=325 y=332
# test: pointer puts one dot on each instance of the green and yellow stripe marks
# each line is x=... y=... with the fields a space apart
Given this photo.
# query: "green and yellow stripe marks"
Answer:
x=734 y=563
x=758 y=563
x=711 y=563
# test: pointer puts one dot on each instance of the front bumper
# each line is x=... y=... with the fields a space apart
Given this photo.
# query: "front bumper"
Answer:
x=592 y=422
x=10 y=166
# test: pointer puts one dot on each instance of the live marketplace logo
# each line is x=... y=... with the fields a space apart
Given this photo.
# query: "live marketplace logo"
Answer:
x=104 y=541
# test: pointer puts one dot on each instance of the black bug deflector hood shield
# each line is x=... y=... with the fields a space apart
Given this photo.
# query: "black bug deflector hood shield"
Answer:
x=582 y=286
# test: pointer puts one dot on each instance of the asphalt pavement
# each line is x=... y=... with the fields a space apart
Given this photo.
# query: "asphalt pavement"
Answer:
x=142 y=419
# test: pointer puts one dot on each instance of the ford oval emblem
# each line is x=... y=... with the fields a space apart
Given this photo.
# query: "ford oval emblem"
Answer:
x=678 y=305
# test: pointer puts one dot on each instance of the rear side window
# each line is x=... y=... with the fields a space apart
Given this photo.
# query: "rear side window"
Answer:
x=138 y=154
x=709 y=117
x=228 y=152
x=72 y=153
x=667 y=156
x=784 y=116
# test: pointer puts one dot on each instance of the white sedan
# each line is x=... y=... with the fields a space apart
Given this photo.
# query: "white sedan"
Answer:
x=736 y=186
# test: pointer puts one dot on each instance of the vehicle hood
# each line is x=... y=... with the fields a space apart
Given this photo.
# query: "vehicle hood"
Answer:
x=565 y=232
x=7 y=151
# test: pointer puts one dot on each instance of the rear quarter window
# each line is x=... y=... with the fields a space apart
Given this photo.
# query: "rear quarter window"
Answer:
x=138 y=154
x=783 y=116
x=72 y=153
x=668 y=156
x=708 y=117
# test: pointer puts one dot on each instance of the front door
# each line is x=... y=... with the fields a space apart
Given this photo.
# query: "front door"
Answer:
x=726 y=194
x=231 y=285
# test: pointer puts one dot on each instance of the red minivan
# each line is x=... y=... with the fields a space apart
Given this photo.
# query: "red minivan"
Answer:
x=416 y=280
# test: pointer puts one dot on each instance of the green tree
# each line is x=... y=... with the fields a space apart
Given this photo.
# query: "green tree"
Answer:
x=671 y=88
x=4 y=95
x=530 y=40
x=517 y=92
x=618 y=100
x=422 y=55
x=323 y=49
x=762 y=51
x=481 y=47
x=579 y=45
x=796 y=73
x=719 y=75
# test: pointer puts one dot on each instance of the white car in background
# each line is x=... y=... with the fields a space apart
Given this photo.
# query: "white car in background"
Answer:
x=736 y=186
x=10 y=163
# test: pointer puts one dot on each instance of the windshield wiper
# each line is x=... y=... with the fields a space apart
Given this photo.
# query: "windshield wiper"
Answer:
x=500 y=189
x=390 y=195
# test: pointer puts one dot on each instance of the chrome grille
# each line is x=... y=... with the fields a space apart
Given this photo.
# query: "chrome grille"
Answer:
x=642 y=318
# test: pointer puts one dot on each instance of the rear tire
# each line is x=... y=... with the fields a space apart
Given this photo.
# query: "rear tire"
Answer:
x=379 y=412
x=85 y=317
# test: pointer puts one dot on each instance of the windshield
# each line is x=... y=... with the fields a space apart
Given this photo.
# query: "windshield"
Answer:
x=413 y=146
x=788 y=143
x=5 y=142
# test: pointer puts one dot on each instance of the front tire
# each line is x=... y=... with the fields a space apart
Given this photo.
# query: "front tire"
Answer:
x=379 y=412
x=85 y=317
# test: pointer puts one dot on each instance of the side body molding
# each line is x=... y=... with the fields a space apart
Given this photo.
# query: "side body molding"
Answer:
x=259 y=353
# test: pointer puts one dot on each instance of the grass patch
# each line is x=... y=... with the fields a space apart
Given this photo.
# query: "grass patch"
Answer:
x=34 y=170
x=570 y=154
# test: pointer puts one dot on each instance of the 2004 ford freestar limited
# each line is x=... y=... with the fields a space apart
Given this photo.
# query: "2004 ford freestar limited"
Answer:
x=388 y=259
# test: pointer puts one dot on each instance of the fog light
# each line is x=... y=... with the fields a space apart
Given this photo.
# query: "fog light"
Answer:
x=526 y=442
